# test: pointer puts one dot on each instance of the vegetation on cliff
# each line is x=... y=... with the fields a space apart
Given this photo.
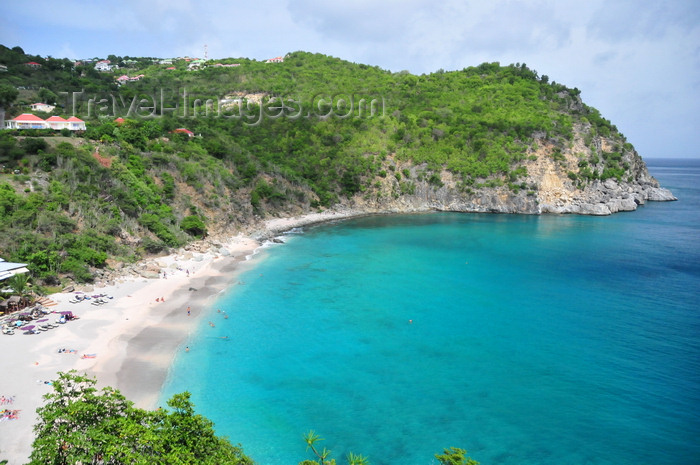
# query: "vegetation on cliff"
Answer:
x=268 y=139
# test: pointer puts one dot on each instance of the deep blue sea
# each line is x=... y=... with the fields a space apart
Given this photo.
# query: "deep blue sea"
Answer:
x=548 y=340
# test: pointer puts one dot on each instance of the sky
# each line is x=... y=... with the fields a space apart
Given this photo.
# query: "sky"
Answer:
x=636 y=61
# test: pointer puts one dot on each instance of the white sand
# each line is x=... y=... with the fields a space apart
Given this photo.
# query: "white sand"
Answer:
x=135 y=337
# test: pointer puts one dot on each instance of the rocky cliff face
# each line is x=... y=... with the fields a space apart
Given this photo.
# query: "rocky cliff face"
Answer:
x=572 y=179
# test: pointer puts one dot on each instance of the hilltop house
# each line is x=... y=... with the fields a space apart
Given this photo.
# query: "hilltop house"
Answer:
x=42 y=107
x=124 y=79
x=195 y=64
x=25 y=121
x=33 y=64
x=3 y=68
x=29 y=121
x=184 y=131
x=104 y=66
x=275 y=60
x=58 y=123
x=76 y=124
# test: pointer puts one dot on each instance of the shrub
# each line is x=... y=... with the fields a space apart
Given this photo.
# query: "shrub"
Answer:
x=33 y=144
x=194 y=226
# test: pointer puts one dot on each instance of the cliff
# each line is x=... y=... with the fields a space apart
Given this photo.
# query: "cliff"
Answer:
x=552 y=184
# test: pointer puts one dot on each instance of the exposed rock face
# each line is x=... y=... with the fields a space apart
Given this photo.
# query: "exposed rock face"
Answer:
x=556 y=182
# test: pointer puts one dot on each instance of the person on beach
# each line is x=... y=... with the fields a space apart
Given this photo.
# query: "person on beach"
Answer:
x=188 y=311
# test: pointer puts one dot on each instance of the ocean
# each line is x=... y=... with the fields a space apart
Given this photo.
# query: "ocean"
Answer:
x=546 y=340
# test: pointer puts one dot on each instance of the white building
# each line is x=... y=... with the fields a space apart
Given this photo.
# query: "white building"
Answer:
x=26 y=121
x=42 y=107
x=29 y=121
x=76 y=124
x=9 y=269
x=58 y=123
x=105 y=66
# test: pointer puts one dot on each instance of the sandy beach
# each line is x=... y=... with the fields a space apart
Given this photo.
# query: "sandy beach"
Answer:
x=135 y=338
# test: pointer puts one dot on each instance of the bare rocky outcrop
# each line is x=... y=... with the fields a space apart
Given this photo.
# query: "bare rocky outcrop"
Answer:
x=558 y=181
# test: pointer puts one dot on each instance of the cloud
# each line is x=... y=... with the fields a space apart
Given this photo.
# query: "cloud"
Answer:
x=639 y=64
x=624 y=20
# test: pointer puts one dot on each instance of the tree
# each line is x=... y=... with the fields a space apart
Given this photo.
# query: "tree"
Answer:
x=47 y=96
x=81 y=424
x=8 y=94
x=19 y=283
x=311 y=438
x=455 y=456
x=194 y=226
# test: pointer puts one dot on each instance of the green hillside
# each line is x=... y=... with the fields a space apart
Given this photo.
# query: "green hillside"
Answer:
x=269 y=139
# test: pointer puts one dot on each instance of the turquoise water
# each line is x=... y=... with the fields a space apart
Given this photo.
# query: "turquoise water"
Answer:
x=523 y=339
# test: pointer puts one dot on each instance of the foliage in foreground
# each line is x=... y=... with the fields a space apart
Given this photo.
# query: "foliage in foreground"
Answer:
x=451 y=456
x=82 y=424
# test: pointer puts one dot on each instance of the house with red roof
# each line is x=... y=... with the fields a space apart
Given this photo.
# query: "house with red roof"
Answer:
x=26 y=121
x=58 y=123
x=275 y=60
x=76 y=124
x=104 y=65
x=33 y=64
x=29 y=121
x=184 y=131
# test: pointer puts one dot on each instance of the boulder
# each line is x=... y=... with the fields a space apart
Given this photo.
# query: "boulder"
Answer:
x=622 y=205
x=660 y=194
x=149 y=274
x=596 y=209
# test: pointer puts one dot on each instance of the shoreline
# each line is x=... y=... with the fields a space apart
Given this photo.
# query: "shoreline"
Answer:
x=135 y=337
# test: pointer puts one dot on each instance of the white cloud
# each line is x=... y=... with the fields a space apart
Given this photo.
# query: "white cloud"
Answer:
x=639 y=64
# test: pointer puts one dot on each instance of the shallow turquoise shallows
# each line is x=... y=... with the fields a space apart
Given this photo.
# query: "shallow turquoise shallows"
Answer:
x=548 y=340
